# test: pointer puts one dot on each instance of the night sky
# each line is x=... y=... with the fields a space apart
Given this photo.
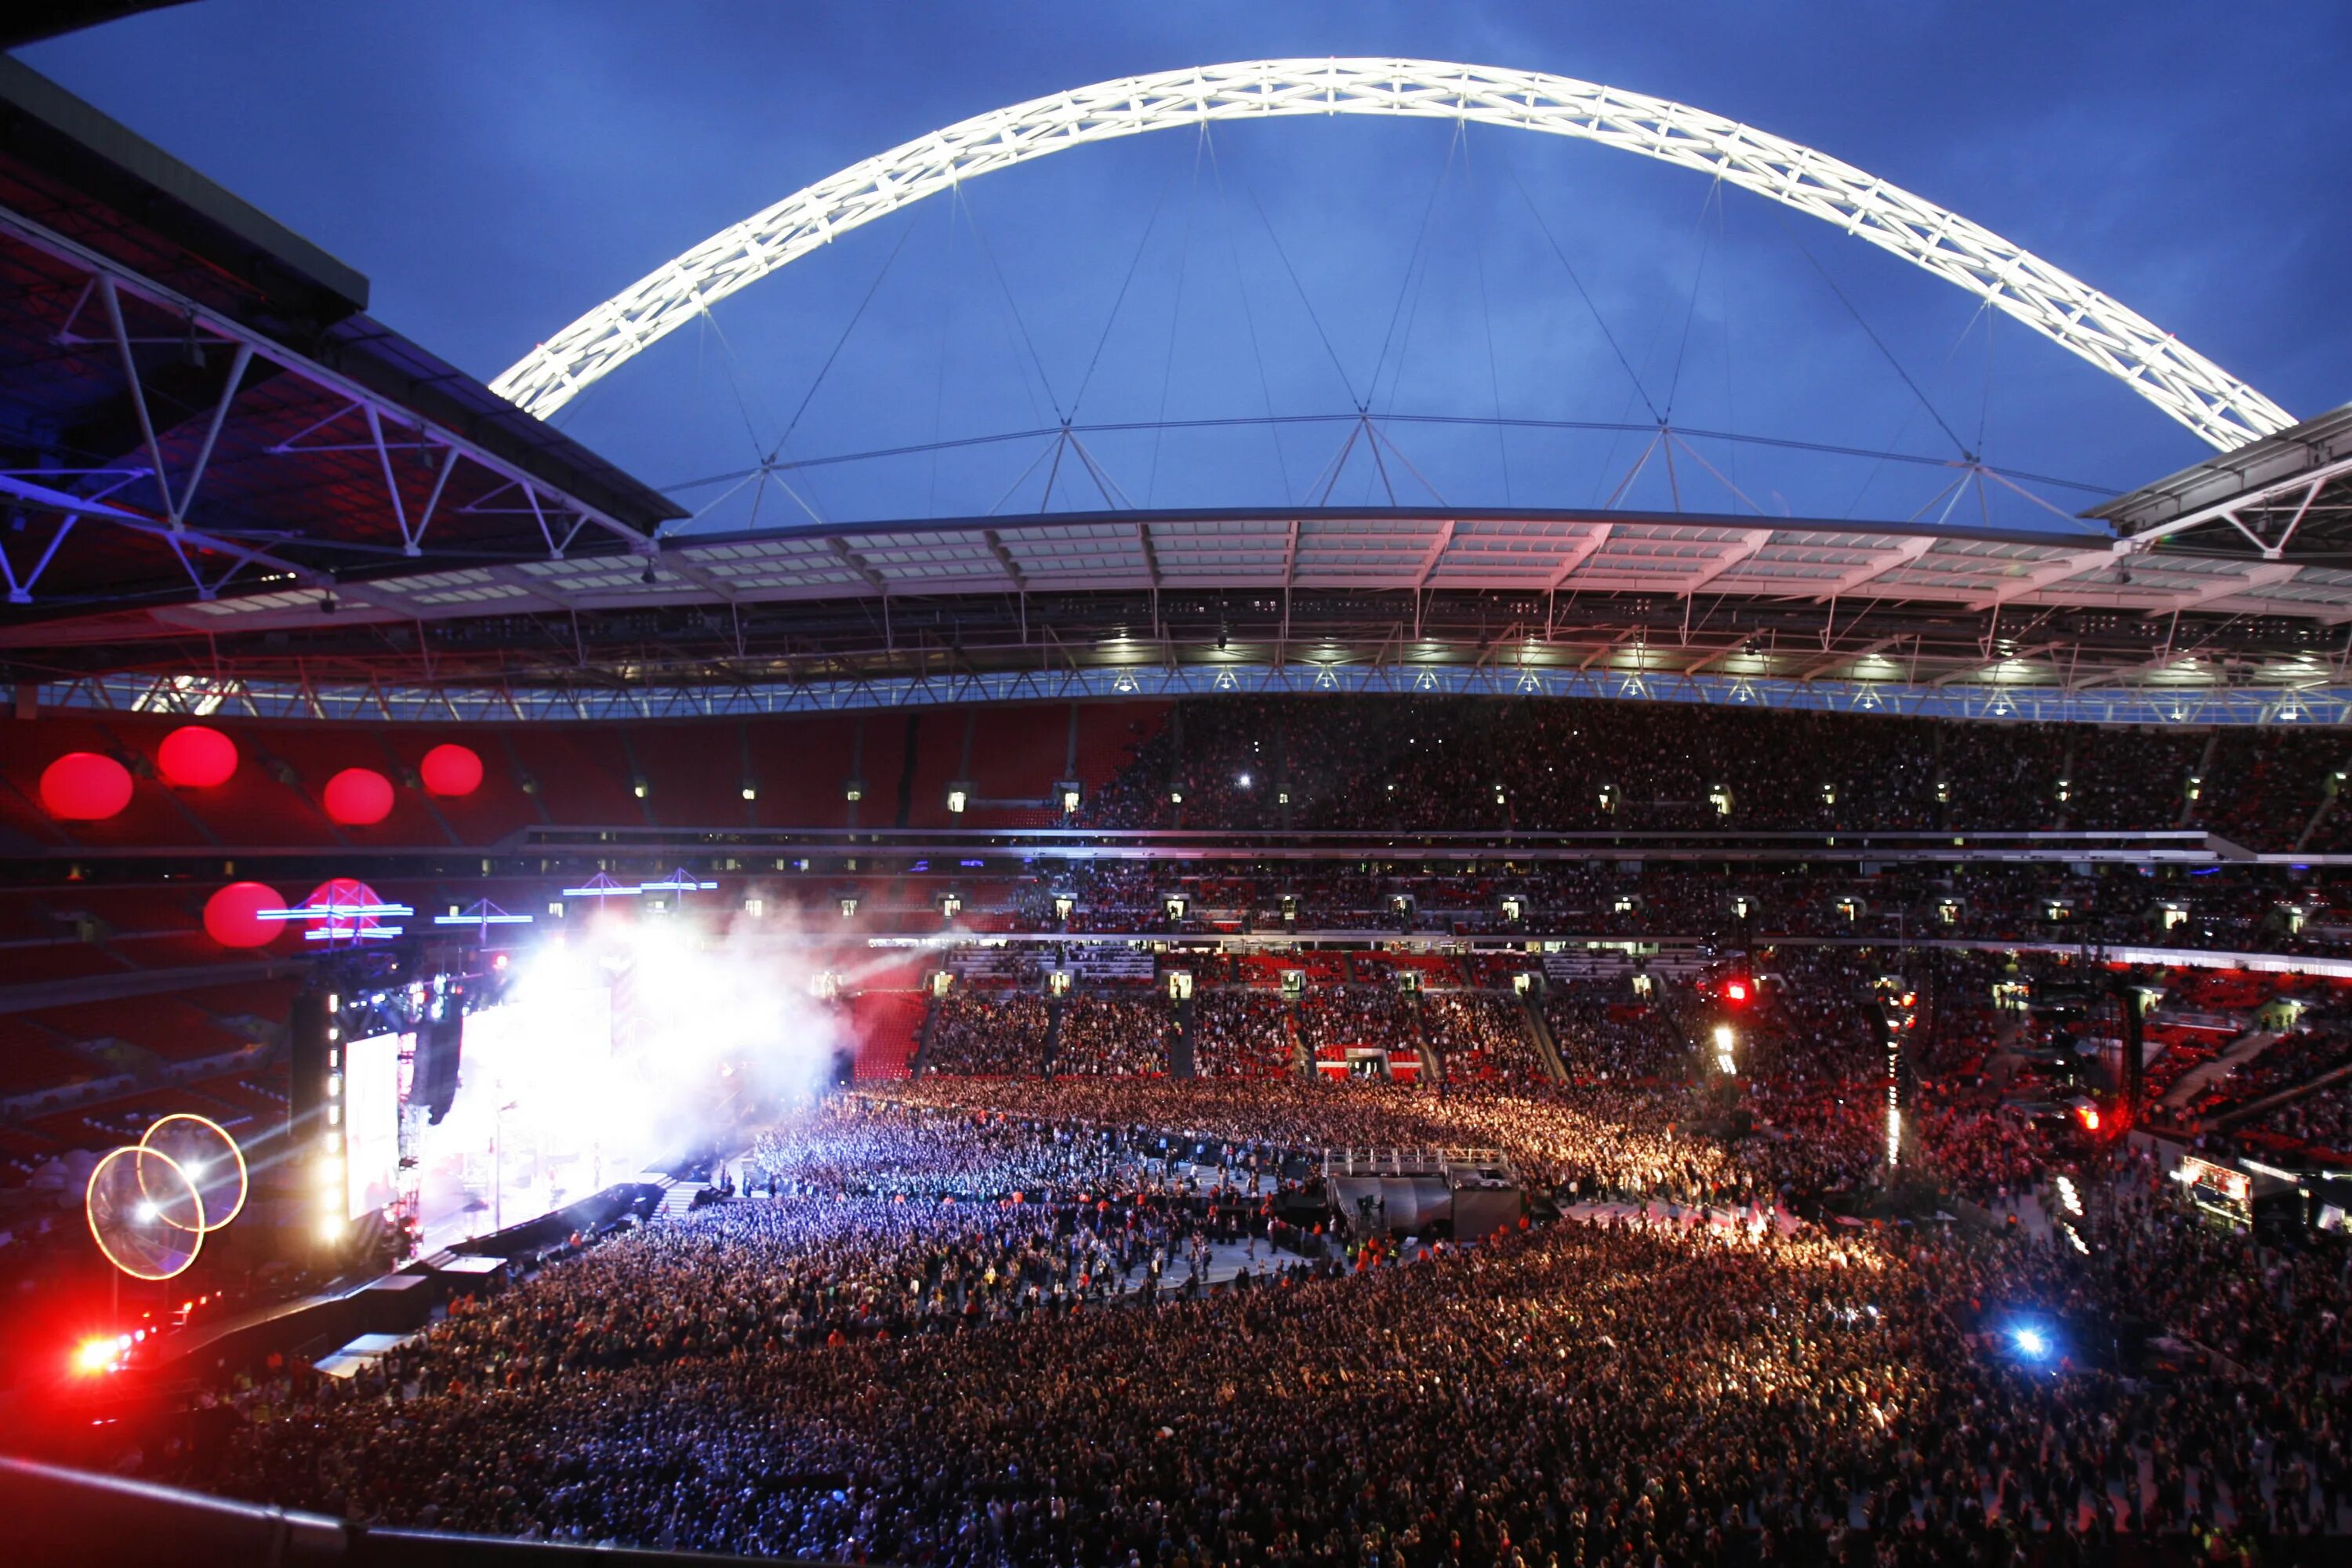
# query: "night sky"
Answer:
x=497 y=170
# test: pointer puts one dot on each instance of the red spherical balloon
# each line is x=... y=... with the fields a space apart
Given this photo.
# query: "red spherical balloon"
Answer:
x=233 y=918
x=451 y=770
x=359 y=797
x=83 y=787
x=194 y=757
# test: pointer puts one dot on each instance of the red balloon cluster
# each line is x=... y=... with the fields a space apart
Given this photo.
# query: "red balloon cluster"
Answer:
x=194 y=757
x=359 y=797
x=87 y=787
x=83 y=787
x=233 y=918
x=451 y=770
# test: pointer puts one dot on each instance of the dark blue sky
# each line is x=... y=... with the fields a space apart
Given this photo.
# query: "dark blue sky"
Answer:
x=496 y=170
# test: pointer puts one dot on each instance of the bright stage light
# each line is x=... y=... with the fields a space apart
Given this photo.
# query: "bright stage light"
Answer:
x=2031 y=1341
x=94 y=1356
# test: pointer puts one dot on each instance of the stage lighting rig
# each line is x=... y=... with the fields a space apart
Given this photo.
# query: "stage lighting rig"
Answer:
x=1898 y=1014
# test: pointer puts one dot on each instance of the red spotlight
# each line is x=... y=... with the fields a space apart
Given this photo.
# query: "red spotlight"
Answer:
x=94 y=1356
x=2090 y=1115
x=1735 y=990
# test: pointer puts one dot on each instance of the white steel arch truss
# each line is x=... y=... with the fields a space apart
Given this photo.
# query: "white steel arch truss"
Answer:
x=2192 y=389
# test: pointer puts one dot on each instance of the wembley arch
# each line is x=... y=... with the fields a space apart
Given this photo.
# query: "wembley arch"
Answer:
x=2192 y=389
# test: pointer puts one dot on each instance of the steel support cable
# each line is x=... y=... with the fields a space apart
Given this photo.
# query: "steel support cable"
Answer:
x=1293 y=272
x=1911 y=412
x=1236 y=421
x=1175 y=320
x=765 y=469
x=843 y=340
x=1405 y=283
x=1410 y=293
x=1690 y=308
x=1879 y=344
x=1004 y=289
x=1249 y=314
x=768 y=462
x=1657 y=331
x=948 y=296
x=1486 y=317
x=1581 y=292
x=734 y=383
x=1125 y=283
x=1723 y=305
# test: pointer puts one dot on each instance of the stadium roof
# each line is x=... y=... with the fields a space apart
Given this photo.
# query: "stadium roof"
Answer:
x=193 y=403
x=213 y=461
x=2291 y=491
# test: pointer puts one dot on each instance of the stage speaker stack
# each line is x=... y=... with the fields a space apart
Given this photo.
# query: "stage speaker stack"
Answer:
x=309 y=1031
x=440 y=1042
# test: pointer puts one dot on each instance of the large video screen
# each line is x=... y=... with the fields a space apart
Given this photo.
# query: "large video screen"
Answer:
x=370 y=1124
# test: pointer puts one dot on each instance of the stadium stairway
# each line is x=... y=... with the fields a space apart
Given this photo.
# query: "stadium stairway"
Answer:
x=2192 y=1083
x=1180 y=1043
x=2262 y=1106
x=1417 y=1029
x=921 y=1057
x=1547 y=1048
x=1053 y=1009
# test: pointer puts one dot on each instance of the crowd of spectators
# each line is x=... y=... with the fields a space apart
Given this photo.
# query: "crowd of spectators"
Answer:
x=1241 y=1033
x=1483 y=764
x=950 y=1374
x=1109 y=1032
x=965 y=1320
x=1605 y=1032
x=994 y=1033
x=2320 y=1120
x=2257 y=908
x=2297 y=1058
x=1481 y=1036
x=1335 y=1019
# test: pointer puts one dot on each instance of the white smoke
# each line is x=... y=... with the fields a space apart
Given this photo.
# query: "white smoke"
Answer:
x=724 y=1023
x=640 y=1038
